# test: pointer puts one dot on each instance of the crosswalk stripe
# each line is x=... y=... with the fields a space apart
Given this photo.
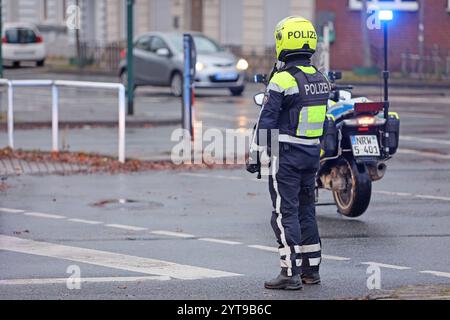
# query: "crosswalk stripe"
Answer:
x=264 y=248
x=437 y=273
x=85 y=221
x=172 y=234
x=384 y=265
x=110 y=259
x=126 y=227
x=44 y=215
x=335 y=258
x=17 y=282
x=8 y=210
x=220 y=241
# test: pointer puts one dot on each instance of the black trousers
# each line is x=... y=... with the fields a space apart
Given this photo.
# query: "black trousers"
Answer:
x=291 y=186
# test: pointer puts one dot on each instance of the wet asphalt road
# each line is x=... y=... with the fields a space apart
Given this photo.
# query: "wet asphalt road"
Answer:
x=219 y=220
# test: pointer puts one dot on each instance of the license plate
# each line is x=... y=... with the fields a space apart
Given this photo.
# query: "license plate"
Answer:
x=21 y=53
x=364 y=146
x=226 y=76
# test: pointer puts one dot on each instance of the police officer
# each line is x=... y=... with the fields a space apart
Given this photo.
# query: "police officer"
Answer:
x=295 y=110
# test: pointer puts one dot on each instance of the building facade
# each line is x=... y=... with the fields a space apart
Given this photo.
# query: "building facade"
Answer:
x=409 y=46
x=246 y=24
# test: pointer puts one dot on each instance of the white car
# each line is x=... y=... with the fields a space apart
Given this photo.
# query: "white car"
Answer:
x=22 y=42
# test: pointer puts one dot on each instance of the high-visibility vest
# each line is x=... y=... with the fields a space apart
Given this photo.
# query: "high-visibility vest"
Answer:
x=311 y=90
x=314 y=90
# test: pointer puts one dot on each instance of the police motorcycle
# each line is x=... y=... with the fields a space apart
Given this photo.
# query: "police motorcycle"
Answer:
x=359 y=138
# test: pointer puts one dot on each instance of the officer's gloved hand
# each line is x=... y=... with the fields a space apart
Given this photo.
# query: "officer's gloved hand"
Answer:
x=253 y=164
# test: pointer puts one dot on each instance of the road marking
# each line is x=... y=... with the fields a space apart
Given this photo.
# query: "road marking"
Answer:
x=400 y=194
x=125 y=227
x=85 y=221
x=44 y=215
x=220 y=241
x=228 y=177
x=17 y=282
x=409 y=99
x=110 y=259
x=172 y=234
x=383 y=265
x=418 y=196
x=437 y=273
x=425 y=140
x=264 y=248
x=200 y=175
x=273 y=249
x=334 y=258
x=424 y=154
x=420 y=115
x=431 y=197
x=8 y=210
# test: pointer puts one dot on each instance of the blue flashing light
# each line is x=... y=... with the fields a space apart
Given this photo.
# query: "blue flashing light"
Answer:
x=386 y=15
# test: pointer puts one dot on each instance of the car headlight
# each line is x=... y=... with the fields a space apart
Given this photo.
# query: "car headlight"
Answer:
x=200 y=66
x=242 y=65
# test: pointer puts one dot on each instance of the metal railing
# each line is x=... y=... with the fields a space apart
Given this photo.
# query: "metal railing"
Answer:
x=55 y=85
x=433 y=63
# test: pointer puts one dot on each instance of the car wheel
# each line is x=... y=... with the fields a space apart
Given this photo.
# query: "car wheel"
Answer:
x=237 y=91
x=176 y=84
x=40 y=63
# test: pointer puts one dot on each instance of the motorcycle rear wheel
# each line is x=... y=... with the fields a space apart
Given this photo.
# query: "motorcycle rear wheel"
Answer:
x=355 y=199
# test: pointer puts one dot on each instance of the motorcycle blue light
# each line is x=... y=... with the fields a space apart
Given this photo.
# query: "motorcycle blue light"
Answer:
x=386 y=15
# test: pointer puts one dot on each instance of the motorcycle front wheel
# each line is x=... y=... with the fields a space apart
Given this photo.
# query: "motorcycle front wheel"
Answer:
x=354 y=199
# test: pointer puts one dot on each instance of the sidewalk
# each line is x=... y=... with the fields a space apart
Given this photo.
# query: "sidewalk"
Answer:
x=141 y=143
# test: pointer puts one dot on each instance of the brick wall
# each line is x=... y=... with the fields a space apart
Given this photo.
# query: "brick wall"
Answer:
x=347 y=51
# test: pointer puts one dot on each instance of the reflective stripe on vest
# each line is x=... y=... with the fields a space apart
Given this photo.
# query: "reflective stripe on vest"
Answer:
x=311 y=120
x=290 y=139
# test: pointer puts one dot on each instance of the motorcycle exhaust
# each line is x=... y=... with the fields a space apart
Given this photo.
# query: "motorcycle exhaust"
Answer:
x=378 y=171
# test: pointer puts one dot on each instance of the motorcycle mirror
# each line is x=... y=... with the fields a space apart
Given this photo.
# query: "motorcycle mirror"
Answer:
x=260 y=78
x=259 y=99
x=334 y=75
x=344 y=95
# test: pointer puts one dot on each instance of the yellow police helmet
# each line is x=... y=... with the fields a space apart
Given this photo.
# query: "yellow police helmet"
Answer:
x=295 y=35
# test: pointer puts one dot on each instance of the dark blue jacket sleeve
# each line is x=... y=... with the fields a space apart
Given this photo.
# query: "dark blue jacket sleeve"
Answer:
x=269 y=117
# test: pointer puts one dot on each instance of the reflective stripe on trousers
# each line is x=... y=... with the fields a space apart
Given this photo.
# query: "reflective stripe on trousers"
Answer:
x=285 y=263
x=293 y=219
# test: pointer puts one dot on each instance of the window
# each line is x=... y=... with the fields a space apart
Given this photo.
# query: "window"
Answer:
x=274 y=12
x=203 y=44
x=20 y=35
x=156 y=44
x=231 y=21
x=401 y=5
x=45 y=10
x=63 y=9
x=448 y=6
x=143 y=43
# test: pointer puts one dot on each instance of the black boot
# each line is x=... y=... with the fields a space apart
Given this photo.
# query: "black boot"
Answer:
x=284 y=282
x=311 y=278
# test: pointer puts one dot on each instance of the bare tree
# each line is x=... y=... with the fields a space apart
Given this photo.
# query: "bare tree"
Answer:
x=77 y=40
x=367 y=59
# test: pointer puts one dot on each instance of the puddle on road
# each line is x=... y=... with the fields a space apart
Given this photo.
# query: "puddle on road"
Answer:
x=127 y=204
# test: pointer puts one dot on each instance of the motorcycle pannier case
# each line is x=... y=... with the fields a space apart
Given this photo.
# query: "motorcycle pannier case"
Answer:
x=393 y=128
x=330 y=138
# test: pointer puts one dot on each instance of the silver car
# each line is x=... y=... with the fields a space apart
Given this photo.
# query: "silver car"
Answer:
x=159 y=62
